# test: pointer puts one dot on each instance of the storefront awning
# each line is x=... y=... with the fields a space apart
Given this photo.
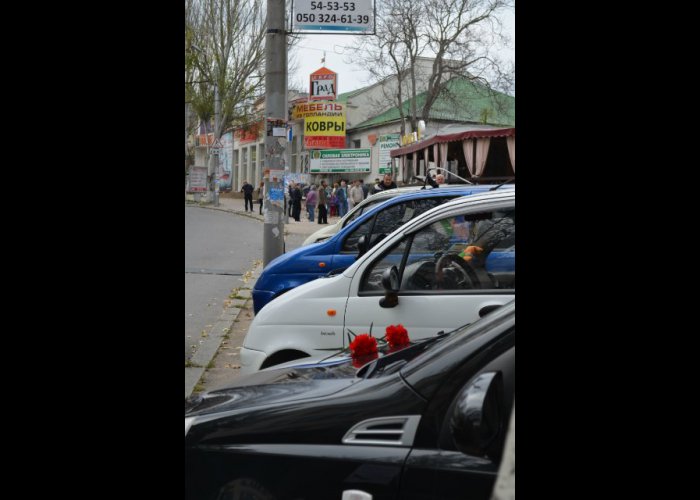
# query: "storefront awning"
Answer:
x=466 y=132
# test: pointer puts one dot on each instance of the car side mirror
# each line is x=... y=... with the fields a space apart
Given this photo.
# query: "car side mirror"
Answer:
x=476 y=419
x=390 y=282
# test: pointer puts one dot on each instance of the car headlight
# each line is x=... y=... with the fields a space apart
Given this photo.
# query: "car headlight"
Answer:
x=188 y=423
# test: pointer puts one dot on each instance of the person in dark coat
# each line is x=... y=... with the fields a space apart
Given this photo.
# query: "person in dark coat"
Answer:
x=248 y=195
x=322 y=202
x=296 y=202
x=387 y=183
x=288 y=203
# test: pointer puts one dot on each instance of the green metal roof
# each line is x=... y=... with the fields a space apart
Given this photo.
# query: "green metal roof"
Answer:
x=464 y=101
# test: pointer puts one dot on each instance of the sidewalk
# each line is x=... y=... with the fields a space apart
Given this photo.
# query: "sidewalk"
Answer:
x=236 y=206
x=216 y=360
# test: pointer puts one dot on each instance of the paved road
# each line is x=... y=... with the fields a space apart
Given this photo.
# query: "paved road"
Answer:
x=219 y=248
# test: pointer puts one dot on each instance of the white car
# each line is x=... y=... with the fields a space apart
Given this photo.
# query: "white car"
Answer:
x=327 y=231
x=441 y=270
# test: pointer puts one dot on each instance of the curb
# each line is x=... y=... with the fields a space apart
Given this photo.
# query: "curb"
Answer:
x=210 y=345
x=223 y=209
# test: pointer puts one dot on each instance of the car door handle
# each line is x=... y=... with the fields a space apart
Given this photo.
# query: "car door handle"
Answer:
x=356 y=495
x=487 y=309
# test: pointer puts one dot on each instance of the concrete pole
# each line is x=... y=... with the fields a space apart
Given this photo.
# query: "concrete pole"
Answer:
x=275 y=109
x=187 y=114
x=217 y=111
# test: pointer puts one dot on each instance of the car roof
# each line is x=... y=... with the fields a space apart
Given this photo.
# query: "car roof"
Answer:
x=457 y=205
x=462 y=190
x=390 y=193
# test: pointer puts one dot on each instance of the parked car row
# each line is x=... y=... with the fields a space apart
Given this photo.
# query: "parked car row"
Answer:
x=450 y=266
x=363 y=228
x=309 y=419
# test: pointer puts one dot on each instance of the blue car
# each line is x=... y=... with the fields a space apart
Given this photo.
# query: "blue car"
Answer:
x=340 y=251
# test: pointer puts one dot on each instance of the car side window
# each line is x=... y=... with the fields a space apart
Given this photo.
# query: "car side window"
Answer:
x=425 y=204
x=350 y=243
x=372 y=280
x=387 y=220
x=463 y=253
x=391 y=218
x=395 y=216
x=360 y=212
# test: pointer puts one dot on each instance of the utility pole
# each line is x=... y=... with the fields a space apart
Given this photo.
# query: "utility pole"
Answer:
x=275 y=111
x=217 y=111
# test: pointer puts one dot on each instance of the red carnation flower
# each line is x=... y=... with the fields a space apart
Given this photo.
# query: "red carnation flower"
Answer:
x=397 y=336
x=363 y=345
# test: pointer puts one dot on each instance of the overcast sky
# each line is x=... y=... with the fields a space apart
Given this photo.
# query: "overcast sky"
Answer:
x=352 y=76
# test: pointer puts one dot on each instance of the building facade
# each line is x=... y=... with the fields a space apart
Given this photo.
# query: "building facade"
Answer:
x=373 y=121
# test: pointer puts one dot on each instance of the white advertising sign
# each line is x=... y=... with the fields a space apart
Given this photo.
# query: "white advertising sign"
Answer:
x=198 y=179
x=356 y=15
x=387 y=142
x=347 y=161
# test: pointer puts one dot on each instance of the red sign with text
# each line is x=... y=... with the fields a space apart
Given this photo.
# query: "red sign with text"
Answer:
x=323 y=85
x=248 y=134
x=324 y=142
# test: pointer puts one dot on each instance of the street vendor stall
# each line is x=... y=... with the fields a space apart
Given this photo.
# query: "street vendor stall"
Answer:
x=479 y=153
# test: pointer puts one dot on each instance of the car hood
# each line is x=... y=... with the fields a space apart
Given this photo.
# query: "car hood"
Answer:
x=275 y=385
x=325 y=232
x=304 y=259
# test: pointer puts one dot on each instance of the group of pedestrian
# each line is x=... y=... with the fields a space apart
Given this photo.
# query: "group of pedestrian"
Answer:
x=337 y=200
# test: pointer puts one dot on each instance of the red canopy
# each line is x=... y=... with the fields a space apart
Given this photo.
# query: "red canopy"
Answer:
x=456 y=136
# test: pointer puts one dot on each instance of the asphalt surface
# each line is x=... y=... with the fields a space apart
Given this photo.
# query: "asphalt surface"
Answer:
x=223 y=259
x=219 y=249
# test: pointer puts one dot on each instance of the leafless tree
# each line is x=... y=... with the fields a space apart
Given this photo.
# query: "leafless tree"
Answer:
x=460 y=37
x=227 y=46
x=390 y=57
x=461 y=34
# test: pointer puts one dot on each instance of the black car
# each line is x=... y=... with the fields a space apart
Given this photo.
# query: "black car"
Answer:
x=426 y=422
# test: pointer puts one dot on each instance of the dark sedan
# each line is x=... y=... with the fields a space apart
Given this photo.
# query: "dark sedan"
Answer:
x=426 y=422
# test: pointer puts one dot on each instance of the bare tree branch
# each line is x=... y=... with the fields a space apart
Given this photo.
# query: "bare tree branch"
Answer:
x=460 y=36
x=227 y=40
